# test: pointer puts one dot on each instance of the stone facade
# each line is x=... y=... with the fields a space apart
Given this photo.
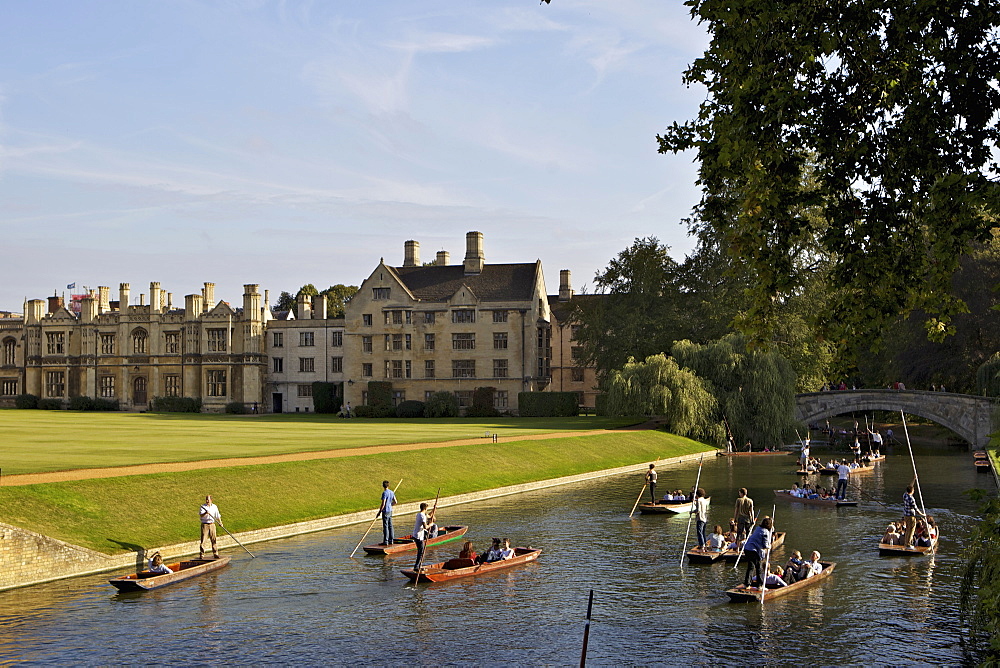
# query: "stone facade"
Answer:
x=569 y=372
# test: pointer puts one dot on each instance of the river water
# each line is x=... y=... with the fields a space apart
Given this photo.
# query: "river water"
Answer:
x=303 y=601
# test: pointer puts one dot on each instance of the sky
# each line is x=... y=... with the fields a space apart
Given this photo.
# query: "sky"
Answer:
x=291 y=142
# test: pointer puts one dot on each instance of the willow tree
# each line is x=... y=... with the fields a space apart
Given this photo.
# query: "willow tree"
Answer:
x=754 y=388
x=657 y=386
x=988 y=377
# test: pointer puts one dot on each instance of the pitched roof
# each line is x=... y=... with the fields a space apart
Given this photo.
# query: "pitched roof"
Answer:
x=562 y=311
x=497 y=282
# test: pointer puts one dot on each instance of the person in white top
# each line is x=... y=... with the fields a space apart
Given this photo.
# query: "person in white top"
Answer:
x=420 y=530
x=811 y=567
x=507 y=552
x=701 y=516
x=716 y=539
x=209 y=514
x=157 y=566
x=843 y=475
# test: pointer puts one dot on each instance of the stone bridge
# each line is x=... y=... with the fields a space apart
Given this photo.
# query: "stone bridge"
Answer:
x=968 y=416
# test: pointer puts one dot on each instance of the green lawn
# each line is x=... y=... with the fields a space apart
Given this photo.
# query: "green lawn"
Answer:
x=113 y=515
x=37 y=441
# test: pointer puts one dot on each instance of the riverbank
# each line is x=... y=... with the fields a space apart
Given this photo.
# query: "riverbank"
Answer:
x=71 y=528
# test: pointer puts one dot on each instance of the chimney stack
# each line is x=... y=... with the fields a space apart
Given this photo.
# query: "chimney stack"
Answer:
x=411 y=253
x=123 y=297
x=192 y=307
x=105 y=299
x=319 y=307
x=474 y=258
x=565 y=286
x=55 y=303
x=208 y=292
x=251 y=302
x=34 y=314
x=155 y=296
x=303 y=312
x=442 y=258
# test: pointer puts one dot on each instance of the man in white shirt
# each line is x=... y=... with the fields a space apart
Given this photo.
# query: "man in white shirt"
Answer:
x=843 y=474
x=420 y=530
x=209 y=514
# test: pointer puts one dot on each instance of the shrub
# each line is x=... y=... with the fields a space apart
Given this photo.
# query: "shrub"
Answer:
x=50 y=404
x=482 y=403
x=176 y=405
x=410 y=409
x=326 y=399
x=105 y=405
x=547 y=404
x=236 y=408
x=81 y=404
x=380 y=398
x=441 y=404
x=26 y=401
x=601 y=404
x=363 y=411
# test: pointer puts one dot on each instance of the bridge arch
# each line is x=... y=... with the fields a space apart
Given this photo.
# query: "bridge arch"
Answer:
x=968 y=416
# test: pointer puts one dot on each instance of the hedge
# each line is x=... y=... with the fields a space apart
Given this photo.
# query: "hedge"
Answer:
x=326 y=398
x=26 y=401
x=176 y=405
x=380 y=398
x=482 y=403
x=88 y=404
x=410 y=409
x=441 y=404
x=547 y=404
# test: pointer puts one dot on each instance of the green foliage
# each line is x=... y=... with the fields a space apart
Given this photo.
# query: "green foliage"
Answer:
x=88 y=404
x=482 y=403
x=326 y=398
x=980 y=589
x=410 y=408
x=51 y=404
x=441 y=404
x=286 y=302
x=753 y=387
x=336 y=297
x=601 y=404
x=26 y=401
x=176 y=405
x=236 y=408
x=988 y=377
x=895 y=104
x=380 y=398
x=547 y=404
x=364 y=412
x=657 y=386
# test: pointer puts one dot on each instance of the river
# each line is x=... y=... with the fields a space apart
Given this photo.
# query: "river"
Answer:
x=303 y=601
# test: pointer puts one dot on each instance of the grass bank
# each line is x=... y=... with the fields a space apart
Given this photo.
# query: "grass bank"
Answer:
x=42 y=441
x=114 y=515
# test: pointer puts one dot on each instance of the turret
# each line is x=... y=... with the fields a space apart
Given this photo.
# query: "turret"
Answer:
x=411 y=254
x=474 y=257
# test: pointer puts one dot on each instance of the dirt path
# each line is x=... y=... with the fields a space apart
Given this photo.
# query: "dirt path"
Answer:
x=175 y=467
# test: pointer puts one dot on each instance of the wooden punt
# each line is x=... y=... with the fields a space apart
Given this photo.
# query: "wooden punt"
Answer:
x=696 y=555
x=980 y=454
x=721 y=453
x=453 y=569
x=182 y=570
x=674 y=507
x=802 y=472
x=887 y=550
x=983 y=465
x=829 y=503
x=777 y=541
x=741 y=594
x=406 y=544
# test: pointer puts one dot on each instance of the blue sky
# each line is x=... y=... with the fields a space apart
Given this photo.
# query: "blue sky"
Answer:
x=284 y=143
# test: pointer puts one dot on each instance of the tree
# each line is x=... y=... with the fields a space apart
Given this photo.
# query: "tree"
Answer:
x=286 y=302
x=336 y=297
x=895 y=103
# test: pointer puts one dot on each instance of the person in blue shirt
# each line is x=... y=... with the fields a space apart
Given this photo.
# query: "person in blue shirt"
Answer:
x=385 y=510
x=755 y=549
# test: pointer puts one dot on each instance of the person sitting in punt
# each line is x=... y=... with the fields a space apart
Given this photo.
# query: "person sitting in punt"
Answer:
x=467 y=551
x=716 y=540
x=892 y=536
x=793 y=567
x=922 y=536
x=731 y=536
x=506 y=552
x=773 y=579
x=492 y=554
x=157 y=566
x=932 y=528
x=811 y=567
x=432 y=531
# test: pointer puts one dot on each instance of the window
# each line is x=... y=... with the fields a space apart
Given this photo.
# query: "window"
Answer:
x=500 y=399
x=366 y=370
x=107 y=387
x=307 y=365
x=55 y=384
x=499 y=368
x=216 y=383
x=576 y=353
x=396 y=370
x=463 y=368
x=408 y=342
x=364 y=397
x=305 y=390
x=463 y=315
x=463 y=341
x=172 y=343
x=397 y=317
x=409 y=317
x=9 y=352
x=428 y=368
x=217 y=340
x=397 y=342
x=577 y=374
x=139 y=342
x=278 y=340
x=388 y=342
x=428 y=317
x=307 y=339
x=499 y=340
x=575 y=331
x=398 y=397
x=381 y=293
x=464 y=398
x=499 y=316
x=8 y=387
x=409 y=369
x=107 y=344
x=336 y=339
x=366 y=344
x=336 y=364
x=428 y=342
x=172 y=386
x=278 y=364
x=56 y=343
x=428 y=394
x=366 y=319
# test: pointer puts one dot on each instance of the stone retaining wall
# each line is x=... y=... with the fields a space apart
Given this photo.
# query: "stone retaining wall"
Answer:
x=28 y=558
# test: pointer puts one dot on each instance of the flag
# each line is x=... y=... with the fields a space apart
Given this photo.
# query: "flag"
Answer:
x=71 y=286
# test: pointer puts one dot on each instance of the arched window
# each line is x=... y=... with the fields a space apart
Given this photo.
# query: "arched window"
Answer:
x=139 y=338
x=9 y=351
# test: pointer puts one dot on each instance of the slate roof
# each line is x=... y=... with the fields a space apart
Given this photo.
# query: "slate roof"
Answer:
x=561 y=310
x=497 y=282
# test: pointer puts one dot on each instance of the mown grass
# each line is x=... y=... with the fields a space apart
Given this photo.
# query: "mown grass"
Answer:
x=39 y=441
x=113 y=515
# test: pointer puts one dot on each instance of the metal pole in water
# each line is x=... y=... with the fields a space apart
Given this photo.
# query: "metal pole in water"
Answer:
x=586 y=630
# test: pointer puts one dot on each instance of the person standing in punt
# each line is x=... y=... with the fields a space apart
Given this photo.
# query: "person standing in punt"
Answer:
x=843 y=475
x=701 y=516
x=385 y=510
x=755 y=550
x=910 y=513
x=420 y=529
x=209 y=514
x=743 y=514
x=651 y=481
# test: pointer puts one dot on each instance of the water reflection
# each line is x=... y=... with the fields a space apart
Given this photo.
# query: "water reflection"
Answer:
x=303 y=600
